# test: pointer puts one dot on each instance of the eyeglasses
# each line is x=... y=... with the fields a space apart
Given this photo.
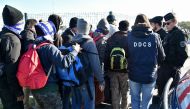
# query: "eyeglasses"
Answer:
x=167 y=23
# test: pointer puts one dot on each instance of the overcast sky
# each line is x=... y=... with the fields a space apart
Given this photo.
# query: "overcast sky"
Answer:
x=150 y=8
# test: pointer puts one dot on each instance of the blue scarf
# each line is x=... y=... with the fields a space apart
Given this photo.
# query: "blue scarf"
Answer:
x=16 y=28
x=99 y=30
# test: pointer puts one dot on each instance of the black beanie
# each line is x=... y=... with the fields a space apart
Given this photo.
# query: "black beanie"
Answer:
x=111 y=17
x=56 y=20
x=11 y=15
x=73 y=22
x=123 y=25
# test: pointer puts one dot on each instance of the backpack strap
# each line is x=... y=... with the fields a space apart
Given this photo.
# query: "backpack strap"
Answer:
x=87 y=82
x=40 y=45
x=97 y=38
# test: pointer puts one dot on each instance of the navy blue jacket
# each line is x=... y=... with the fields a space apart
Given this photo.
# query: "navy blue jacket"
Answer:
x=144 y=50
x=50 y=55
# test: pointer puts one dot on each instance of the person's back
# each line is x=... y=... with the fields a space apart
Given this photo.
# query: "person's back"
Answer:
x=50 y=56
x=144 y=50
x=112 y=23
x=99 y=38
x=10 y=92
x=67 y=36
x=119 y=77
x=86 y=93
x=142 y=55
x=28 y=35
x=57 y=21
x=72 y=30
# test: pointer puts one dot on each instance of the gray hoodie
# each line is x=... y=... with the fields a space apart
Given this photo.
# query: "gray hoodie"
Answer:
x=94 y=61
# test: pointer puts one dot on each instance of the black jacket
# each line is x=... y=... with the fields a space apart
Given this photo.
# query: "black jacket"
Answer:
x=10 y=48
x=68 y=31
x=118 y=39
x=100 y=45
x=28 y=37
x=175 y=48
x=162 y=33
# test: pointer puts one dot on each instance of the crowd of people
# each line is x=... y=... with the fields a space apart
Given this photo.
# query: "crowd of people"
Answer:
x=119 y=60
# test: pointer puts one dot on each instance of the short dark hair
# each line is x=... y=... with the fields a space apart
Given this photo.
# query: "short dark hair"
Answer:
x=123 y=25
x=142 y=18
x=73 y=22
x=30 y=23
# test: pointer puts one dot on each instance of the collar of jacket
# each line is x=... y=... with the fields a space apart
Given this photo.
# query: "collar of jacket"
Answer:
x=5 y=30
x=175 y=28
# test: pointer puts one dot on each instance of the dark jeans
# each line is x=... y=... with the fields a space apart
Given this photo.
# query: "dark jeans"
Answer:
x=66 y=97
x=164 y=73
x=8 y=98
x=107 y=90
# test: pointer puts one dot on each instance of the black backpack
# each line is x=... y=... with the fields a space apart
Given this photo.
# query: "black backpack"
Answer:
x=78 y=72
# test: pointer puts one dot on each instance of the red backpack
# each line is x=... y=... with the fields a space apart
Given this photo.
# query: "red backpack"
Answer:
x=30 y=71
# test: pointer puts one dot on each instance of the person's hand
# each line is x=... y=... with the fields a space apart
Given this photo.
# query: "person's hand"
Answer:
x=20 y=98
x=76 y=47
x=101 y=87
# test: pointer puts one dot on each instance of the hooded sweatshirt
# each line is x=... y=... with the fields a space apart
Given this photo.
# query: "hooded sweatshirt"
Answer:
x=144 y=50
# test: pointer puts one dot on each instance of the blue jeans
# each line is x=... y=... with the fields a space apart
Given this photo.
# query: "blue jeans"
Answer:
x=147 y=92
x=80 y=96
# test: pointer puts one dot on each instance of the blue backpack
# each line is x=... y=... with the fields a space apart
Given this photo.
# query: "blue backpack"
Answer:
x=78 y=72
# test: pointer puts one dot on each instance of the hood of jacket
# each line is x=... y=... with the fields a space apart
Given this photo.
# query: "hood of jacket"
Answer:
x=140 y=30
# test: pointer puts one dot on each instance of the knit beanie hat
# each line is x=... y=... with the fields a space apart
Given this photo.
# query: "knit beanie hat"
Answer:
x=111 y=17
x=11 y=15
x=73 y=22
x=56 y=20
x=46 y=30
x=123 y=25
x=103 y=24
x=83 y=26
